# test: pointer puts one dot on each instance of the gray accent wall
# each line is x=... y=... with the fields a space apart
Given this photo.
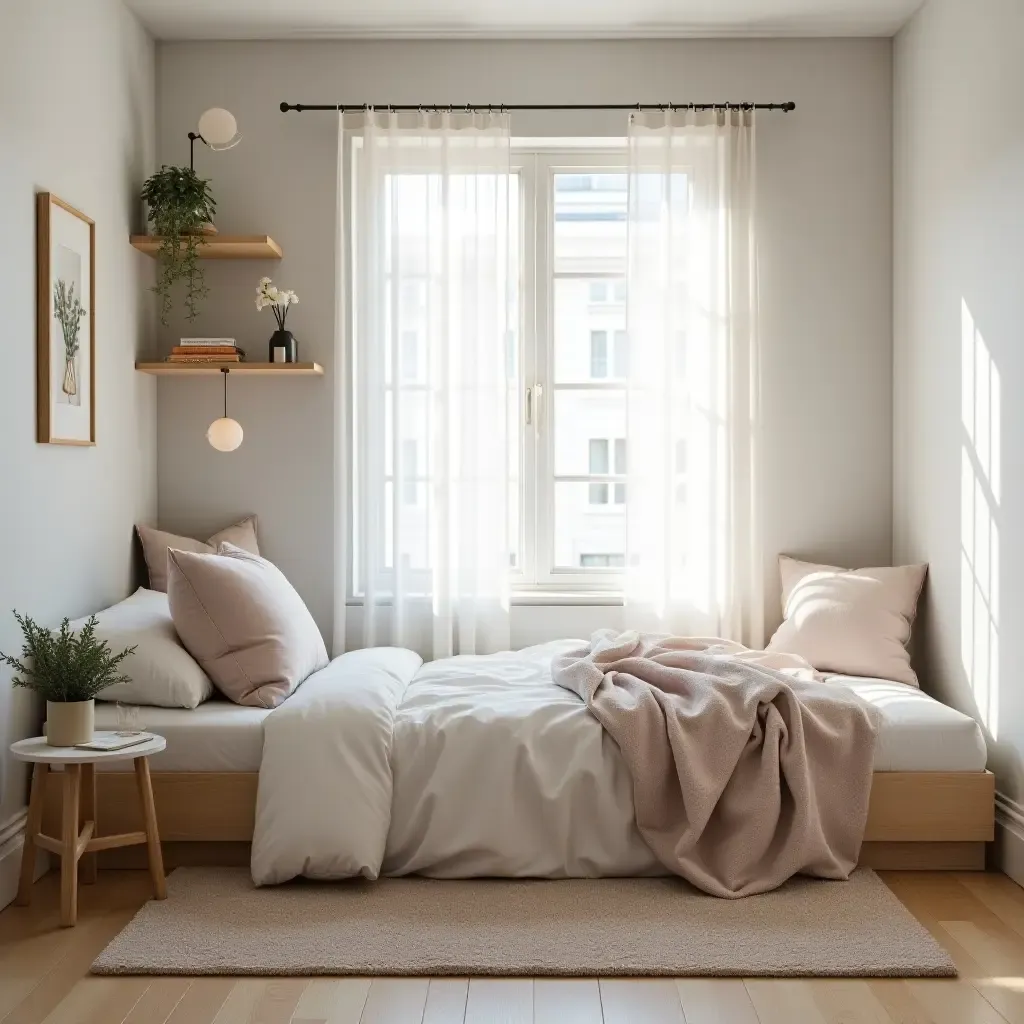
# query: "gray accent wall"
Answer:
x=825 y=221
x=959 y=423
x=77 y=115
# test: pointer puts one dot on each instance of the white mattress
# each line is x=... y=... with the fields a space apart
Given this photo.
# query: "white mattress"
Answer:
x=217 y=736
x=918 y=734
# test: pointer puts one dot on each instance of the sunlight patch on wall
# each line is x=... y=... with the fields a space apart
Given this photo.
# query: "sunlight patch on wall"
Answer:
x=980 y=486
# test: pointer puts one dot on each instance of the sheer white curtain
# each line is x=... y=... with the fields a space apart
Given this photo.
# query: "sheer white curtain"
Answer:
x=430 y=289
x=693 y=562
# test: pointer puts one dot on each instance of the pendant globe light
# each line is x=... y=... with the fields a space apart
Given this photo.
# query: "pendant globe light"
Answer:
x=217 y=128
x=225 y=434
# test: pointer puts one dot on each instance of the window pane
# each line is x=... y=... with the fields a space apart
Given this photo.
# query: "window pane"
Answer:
x=409 y=472
x=681 y=455
x=590 y=222
x=579 y=417
x=590 y=561
x=587 y=334
x=620 y=455
x=587 y=529
x=598 y=455
x=598 y=494
x=620 y=494
x=410 y=356
x=621 y=355
x=598 y=354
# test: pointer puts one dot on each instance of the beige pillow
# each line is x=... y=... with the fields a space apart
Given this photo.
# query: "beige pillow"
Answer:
x=156 y=543
x=161 y=673
x=855 y=622
x=244 y=623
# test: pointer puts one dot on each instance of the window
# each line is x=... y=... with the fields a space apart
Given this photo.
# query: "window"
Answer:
x=598 y=354
x=576 y=484
x=410 y=355
x=621 y=355
x=568 y=348
x=591 y=561
x=410 y=483
x=620 y=469
x=598 y=466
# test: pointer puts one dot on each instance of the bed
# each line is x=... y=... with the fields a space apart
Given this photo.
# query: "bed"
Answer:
x=932 y=801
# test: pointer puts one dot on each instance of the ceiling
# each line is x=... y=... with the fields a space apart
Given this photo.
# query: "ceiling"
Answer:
x=303 y=19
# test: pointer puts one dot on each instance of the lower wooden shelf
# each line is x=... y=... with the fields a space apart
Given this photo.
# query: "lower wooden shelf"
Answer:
x=165 y=369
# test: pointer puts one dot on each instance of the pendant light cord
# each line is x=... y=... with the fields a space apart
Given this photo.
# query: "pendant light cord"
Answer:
x=225 y=372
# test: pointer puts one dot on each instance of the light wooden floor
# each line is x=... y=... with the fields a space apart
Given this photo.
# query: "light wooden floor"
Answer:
x=43 y=977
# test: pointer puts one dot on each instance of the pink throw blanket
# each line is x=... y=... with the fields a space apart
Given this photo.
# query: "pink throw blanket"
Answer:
x=746 y=769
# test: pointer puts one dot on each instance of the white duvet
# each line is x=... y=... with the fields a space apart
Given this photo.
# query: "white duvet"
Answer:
x=468 y=766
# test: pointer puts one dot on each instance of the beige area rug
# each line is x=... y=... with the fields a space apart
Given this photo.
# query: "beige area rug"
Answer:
x=216 y=922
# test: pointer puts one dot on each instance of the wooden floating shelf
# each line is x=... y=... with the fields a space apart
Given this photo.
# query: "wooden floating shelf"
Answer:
x=165 y=369
x=219 y=247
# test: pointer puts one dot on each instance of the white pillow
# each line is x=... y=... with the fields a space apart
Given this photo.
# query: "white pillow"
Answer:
x=855 y=622
x=163 y=674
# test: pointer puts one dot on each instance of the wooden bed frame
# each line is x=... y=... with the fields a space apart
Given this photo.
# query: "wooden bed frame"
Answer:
x=917 y=821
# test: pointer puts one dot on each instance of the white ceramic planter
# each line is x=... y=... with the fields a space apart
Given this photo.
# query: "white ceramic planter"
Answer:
x=68 y=723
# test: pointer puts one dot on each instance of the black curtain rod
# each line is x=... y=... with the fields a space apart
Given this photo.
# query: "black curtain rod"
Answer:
x=340 y=107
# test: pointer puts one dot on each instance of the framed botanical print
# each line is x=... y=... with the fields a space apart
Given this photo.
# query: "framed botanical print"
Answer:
x=65 y=323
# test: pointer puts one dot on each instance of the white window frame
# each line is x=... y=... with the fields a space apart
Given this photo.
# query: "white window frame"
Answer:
x=535 y=579
x=540 y=577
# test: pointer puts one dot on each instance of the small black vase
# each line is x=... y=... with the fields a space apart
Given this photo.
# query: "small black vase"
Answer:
x=283 y=347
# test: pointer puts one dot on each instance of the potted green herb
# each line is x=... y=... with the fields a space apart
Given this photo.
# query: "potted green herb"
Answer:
x=181 y=207
x=68 y=669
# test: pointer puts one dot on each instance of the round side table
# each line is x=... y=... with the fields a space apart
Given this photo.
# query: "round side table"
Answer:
x=79 y=799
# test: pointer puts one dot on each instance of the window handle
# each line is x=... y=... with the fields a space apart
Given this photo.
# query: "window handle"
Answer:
x=534 y=395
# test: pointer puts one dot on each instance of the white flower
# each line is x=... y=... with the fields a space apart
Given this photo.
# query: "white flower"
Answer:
x=267 y=294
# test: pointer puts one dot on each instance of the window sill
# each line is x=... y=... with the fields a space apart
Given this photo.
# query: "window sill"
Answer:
x=555 y=599
x=547 y=599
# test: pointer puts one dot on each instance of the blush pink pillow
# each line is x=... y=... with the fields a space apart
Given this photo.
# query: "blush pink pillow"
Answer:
x=244 y=623
x=855 y=622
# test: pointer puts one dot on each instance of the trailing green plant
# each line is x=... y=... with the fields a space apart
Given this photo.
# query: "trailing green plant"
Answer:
x=180 y=204
x=65 y=666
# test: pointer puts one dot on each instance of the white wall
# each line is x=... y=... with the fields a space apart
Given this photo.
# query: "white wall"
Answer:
x=959 y=266
x=825 y=177
x=77 y=108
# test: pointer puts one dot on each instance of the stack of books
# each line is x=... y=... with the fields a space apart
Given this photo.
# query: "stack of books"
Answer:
x=206 y=350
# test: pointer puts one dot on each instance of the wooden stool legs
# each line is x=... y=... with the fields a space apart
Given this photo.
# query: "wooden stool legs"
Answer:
x=156 y=859
x=33 y=827
x=69 y=846
x=89 y=814
x=78 y=840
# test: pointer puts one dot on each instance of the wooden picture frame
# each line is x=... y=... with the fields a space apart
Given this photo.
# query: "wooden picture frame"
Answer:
x=65 y=323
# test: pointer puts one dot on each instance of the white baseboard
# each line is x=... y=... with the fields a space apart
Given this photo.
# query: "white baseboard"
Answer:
x=1009 y=849
x=12 y=839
